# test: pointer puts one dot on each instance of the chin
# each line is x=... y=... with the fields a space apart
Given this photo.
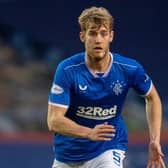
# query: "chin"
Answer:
x=98 y=57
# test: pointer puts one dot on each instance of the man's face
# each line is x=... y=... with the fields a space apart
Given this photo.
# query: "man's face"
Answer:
x=97 y=40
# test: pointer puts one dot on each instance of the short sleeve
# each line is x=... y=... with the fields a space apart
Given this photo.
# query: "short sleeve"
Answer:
x=59 y=93
x=142 y=82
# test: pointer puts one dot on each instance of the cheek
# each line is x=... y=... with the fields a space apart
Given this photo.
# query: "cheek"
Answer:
x=88 y=42
x=87 y=45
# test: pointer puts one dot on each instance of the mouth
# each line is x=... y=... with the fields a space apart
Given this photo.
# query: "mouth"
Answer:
x=98 y=49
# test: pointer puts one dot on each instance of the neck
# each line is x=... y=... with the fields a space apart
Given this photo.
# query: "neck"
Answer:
x=99 y=65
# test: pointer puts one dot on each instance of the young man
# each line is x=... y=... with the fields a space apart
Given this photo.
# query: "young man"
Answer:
x=87 y=97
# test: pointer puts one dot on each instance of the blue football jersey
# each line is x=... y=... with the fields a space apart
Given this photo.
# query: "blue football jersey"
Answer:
x=93 y=99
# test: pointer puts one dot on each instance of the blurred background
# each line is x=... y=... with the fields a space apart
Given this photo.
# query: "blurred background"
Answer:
x=36 y=35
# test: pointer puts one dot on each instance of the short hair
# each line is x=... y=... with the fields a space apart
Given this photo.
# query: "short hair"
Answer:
x=97 y=15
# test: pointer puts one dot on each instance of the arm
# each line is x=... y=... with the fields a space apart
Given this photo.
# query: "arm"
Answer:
x=154 y=115
x=57 y=122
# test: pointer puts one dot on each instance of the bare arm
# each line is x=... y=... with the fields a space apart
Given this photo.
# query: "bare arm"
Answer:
x=154 y=114
x=154 y=117
x=57 y=122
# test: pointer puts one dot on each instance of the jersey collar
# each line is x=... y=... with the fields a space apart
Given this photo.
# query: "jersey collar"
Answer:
x=107 y=71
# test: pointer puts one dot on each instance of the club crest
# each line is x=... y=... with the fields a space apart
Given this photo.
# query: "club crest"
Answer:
x=118 y=87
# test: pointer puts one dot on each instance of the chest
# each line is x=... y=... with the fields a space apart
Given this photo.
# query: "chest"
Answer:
x=113 y=87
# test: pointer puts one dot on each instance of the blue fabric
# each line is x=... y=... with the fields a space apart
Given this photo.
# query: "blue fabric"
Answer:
x=92 y=100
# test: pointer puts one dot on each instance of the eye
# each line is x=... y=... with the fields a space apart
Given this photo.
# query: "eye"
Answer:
x=104 y=33
x=92 y=33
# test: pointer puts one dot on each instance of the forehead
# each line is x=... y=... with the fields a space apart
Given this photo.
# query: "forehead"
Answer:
x=96 y=27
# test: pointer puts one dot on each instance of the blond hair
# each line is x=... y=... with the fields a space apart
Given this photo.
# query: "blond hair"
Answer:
x=97 y=15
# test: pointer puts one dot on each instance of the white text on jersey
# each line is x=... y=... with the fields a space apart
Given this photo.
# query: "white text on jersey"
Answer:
x=96 y=113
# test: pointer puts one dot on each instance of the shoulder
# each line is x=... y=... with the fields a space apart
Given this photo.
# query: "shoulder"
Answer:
x=125 y=62
x=73 y=61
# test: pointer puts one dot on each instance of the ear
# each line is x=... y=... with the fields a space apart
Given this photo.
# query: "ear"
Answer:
x=111 y=36
x=82 y=36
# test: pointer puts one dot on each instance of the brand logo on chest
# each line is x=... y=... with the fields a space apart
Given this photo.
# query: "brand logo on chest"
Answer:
x=82 y=87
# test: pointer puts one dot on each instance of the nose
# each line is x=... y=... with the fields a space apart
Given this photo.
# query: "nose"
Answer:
x=98 y=38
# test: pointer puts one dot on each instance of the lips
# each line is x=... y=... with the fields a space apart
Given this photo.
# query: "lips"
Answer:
x=98 y=48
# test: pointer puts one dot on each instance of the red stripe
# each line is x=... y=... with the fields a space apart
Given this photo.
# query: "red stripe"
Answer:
x=28 y=137
x=143 y=137
x=47 y=138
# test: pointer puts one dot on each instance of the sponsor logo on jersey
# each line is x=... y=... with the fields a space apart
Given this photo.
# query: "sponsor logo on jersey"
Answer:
x=97 y=113
x=146 y=78
x=56 y=89
x=82 y=88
